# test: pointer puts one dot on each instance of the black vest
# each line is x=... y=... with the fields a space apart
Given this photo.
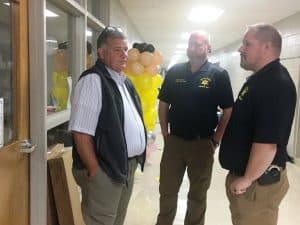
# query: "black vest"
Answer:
x=109 y=140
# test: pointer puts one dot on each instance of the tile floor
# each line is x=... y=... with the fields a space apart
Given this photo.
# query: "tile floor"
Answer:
x=143 y=207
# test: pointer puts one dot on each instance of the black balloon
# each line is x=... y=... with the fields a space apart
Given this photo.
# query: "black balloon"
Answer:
x=135 y=45
x=143 y=47
x=150 y=48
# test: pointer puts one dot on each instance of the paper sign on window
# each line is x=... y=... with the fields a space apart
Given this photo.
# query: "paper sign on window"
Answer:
x=1 y=123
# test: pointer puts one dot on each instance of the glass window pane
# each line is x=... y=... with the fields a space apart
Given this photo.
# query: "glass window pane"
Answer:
x=6 y=85
x=58 y=30
x=81 y=2
x=59 y=135
x=99 y=9
x=91 y=36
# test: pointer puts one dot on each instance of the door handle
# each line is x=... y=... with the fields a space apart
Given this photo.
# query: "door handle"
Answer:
x=27 y=147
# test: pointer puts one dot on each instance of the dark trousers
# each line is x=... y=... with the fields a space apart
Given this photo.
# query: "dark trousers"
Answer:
x=195 y=156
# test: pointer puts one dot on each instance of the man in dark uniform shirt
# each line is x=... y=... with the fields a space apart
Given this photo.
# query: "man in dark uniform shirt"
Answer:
x=254 y=146
x=189 y=100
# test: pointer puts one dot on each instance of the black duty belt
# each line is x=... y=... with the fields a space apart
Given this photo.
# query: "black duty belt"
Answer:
x=270 y=176
x=192 y=137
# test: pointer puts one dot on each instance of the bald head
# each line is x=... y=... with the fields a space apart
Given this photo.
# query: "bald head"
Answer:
x=267 y=33
x=198 y=47
x=200 y=34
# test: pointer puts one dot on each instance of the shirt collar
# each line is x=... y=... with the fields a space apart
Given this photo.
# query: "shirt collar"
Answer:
x=203 y=68
x=119 y=78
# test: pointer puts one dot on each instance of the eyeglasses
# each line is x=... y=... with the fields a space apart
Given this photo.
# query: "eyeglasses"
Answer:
x=112 y=29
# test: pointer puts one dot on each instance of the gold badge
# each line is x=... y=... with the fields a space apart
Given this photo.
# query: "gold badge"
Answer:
x=243 y=93
x=204 y=82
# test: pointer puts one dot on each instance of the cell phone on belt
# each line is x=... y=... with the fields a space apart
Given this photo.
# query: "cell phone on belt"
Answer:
x=270 y=176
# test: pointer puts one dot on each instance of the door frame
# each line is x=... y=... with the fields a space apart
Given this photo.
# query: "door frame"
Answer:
x=38 y=130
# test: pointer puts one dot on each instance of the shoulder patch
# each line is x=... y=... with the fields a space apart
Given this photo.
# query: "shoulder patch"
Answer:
x=243 y=93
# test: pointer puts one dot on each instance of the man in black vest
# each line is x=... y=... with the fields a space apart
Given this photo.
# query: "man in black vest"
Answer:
x=254 y=146
x=108 y=133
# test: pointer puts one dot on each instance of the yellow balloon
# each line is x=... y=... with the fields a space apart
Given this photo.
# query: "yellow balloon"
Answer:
x=143 y=82
x=136 y=68
x=60 y=90
x=133 y=54
x=157 y=80
x=146 y=58
x=127 y=69
x=151 y=69
x=150 y=119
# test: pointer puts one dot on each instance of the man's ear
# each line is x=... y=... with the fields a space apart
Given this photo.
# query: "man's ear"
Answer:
x=100 y=52
x=209 y=48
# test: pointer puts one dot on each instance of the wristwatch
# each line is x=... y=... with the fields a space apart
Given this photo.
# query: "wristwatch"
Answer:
x=215 y=143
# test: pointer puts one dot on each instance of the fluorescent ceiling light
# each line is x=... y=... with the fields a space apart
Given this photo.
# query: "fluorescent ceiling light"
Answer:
x=182 y=46
x=177 y=56
x=172 y=63
x=179 y=51
x=49 y=13
x=6 y=3
x=88 y=33
x=205 y=14
x=185 y=36
x=234 y=54
x=51 y=41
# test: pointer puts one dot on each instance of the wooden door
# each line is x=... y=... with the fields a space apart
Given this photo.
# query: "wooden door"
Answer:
x=14 y=115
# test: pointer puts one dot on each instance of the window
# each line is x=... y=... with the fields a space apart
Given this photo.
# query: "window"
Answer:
x=58 y=58
x=6 y=75
x=91 y=37
x=99 y=9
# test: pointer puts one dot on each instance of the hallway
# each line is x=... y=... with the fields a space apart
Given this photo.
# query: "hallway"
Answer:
x=143 y=207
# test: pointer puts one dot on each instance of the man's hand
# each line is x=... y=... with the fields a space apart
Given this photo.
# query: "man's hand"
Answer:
x=92 y=171
x=240 y=185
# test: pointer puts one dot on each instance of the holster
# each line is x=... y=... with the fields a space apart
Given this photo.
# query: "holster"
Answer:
x=270 y=176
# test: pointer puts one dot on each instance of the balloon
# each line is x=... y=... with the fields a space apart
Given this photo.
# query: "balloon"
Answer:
x=157 y=80
x=151 y=70
x=143 y=82
x=133 y=54
x=150 y=118
x=150 y=48
x=142 y=47
x=157 y=57
x=146 y=58
x=136 y=68
x=135 y=45
x=127 y=69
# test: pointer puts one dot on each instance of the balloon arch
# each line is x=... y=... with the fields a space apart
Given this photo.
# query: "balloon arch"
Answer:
x=142 y=69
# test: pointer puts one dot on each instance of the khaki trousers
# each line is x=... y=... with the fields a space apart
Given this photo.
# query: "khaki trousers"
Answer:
x=259 y=204
x=104 y=202
x=197 y=157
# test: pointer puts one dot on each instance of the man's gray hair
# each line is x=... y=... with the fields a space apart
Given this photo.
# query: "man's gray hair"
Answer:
x=109 y=32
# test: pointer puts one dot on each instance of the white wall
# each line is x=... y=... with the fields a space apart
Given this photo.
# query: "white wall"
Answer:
x=290 y=57
x=119 y=18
